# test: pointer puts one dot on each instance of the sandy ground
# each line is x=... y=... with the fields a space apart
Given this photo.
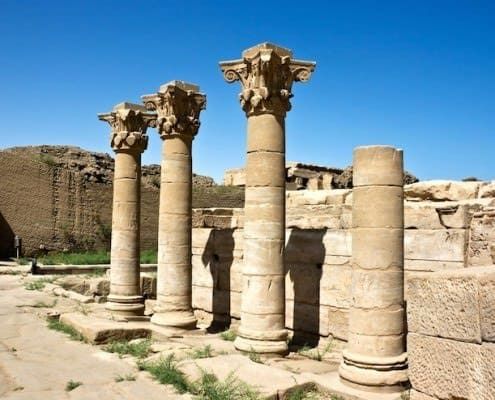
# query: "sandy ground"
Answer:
x=36 y=363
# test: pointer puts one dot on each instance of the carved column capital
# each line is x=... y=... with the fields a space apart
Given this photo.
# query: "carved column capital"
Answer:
x=129 y=123
x=178 y=105
x=266 y=73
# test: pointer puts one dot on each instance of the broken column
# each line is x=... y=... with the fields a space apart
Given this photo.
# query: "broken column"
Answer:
x=129 y=123
x=375 y=358
x=266 y=73
x=178 y=105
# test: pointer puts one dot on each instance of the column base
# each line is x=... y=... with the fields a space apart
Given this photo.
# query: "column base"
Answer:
x=175 y=319
x=376 y=374
x=125 y=305
x=275 y=347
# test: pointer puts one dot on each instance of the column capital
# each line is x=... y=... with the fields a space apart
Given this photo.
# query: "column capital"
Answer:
x=129 y=123
x=266 y=73
x=178 y=105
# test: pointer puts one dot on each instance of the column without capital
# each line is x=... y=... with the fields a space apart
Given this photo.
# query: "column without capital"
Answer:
x=266 y=73
x=375 y=357
x=178 y=105
x=129 y=123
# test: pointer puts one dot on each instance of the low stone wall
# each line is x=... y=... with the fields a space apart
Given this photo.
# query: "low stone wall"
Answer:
x=439 y=235
x=451 y=339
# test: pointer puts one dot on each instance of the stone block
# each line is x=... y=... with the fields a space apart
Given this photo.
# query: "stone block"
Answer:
x=421 y=216
x=435 y=245
x=338 y=322
x=336 y=285
x=487 y=190
x=415 y=395
x=449 y=369
x=445 y=305
x=486 y=281
x=314 y=217
x=202 y=271
x=305 y=246
x=338 y=242
x=306 y=318
x=442 y=190
x=302 y=283
x=431 y=265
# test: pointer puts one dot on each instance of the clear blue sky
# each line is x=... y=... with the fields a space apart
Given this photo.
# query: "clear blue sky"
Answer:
x=415 y=74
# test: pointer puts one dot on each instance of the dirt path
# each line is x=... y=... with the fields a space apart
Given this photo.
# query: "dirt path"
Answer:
x=37 y=363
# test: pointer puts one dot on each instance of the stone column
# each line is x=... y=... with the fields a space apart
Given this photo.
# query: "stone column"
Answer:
x=178 y=105
x=128 y=139
x=375 y=358
x=266 y=73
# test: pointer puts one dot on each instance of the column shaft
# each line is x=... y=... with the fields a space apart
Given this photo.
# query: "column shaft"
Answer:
x=125 y=293
x=375 y=357
x=263 y=297
x=174 y=280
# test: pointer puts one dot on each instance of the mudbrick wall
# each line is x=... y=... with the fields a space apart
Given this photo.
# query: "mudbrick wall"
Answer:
x=60 y=198
x=449 y=226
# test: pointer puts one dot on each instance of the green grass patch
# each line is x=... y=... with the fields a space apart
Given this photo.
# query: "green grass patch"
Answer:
x=126 y=377
x=209 y=387
x=229 y=335
x=91 y=258
x=56 y=325
x=166 y=372
x=255 y=357
x=309 y=394
x=38 y=284
x=203 y=352
x=48 y=160
x=97 y=273
x=71 y=385
x=139 y=349
x=315 y=353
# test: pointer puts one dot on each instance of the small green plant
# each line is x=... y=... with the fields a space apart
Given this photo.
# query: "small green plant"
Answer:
x=166 y=372
x=42 y=304
x=138 y=349
x=48 y=160
x=56 y=325
x=229 y=335
x=127 y=377
x=209 y=387
x=306 y=394
x=71 y=385
x=315 y=354
x=38 y=284
x=149 y=257
x=255 y=357
x=204 y=352
x=405 y=396
x=17 y=388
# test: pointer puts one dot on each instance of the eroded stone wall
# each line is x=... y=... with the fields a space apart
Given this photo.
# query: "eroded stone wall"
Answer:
x=439 y=234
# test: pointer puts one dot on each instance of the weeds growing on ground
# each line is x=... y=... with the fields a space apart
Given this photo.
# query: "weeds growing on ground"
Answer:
x=207 y=387
x=71 y=385
x=42 y=304
x=138 y=349
x=91 y=258
x=229 y=335
x=315 y=353
x=127 y=377
x=255 y=357
x=166 y=372
x=56 y=325
x=38 y=284
x=203 y=352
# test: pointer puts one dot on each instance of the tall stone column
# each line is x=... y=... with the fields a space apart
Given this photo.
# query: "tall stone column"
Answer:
x=266 y=73
x=178 y=105
x=129 y=123
x=375 y=358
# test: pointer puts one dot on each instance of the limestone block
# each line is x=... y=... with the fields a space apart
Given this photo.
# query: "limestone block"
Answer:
x=337 y=196
x=441 y=190
x=265 y=169
x=445 y=305
x=487 y=190
x=377 y=165
x=338 y=242
x=487 y=303
x=377 y=248
x=336 y=285
x=378 y=207
x=314 y=217
x=431 y=265
x=302 y=283
x=421 y=216
x=449 y=369
x=262 y=256
x=307 y=198
x=435 y=245
x=377 y=289
x=265 y=133
x=264 y=294
x=228 y=275
x=216 y=301
x=305 y=318
x=338 y=322
x=305 y=246
x=375 y=345
x=201 y=272
x=200 y=238
x=454 y=216
x=377 y=322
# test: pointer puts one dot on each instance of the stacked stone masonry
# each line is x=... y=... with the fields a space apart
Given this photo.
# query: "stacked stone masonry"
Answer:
x=453 y=233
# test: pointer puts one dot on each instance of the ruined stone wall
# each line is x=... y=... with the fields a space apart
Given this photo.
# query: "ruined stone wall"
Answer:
x=60 y=198
x=440 y=233
x=451 y=339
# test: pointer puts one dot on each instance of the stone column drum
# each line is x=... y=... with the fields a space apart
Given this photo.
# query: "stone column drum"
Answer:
x=266 y=73
x=129 y=123
x=178 y=105
x=375 y=358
